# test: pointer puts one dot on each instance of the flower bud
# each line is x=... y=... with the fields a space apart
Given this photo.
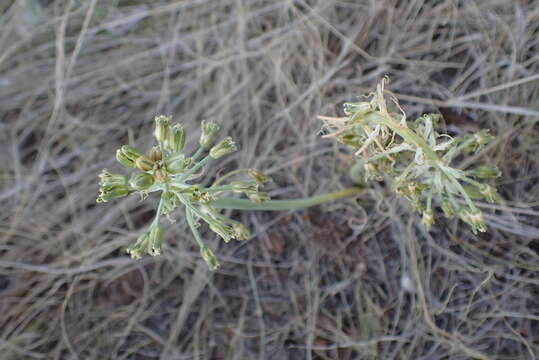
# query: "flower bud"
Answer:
x=144 y=164
x=358 y=107
x=176 y=163
x=161 y=127
x=473 y=192
x=160 y=175
x=139 y=247
x=474 y=218
x=176 y=138
x=106 y=178
x=224 y=231
x=489 y=192
x=258 y=197
x=259 y=177
x=111 y=192
x=240 y=231
x=131 y=152
x=483 y=137
x=485 y=172
x=141 y=181
x=155 y=154
x=124 y=160
x=209 y=257
x=240 y=186
x=224 y=147
x=209 y=130
x=155 y=240
x=428 y=219
x=479 y=140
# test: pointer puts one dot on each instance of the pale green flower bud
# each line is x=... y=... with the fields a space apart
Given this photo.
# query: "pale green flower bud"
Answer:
x=138 y=249
x=176 y=163
x=240 y=186
x=155 y=154
x=176 y=138
x=258 y=176
x=485 y=172
x=110 y=192
x=161 y=127
x=258 y=197
x=473 y=192
x=141 y=181
x=155 y=241
x=428 y=219
x=489 y=192
x=209 y=257
x=124 y=160
x=149 y=242
x=106 y=178
x=483 y=137
x=209 y=130
x=240 y=231
x=474 y=218
x=480 y=139
x=144 y=164
x=358 y=107
x=224 y=147
x=131 y=152
x=224 y=231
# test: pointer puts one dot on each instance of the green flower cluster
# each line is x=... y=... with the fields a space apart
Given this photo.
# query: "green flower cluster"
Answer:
x=417 y=158
x=166 y=169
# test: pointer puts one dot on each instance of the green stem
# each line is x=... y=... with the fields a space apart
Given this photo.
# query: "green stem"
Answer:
x=197 y=154
x=191 y=171
x=226 y=176
x=295 y=204
x=158 y=213
x=193 y=227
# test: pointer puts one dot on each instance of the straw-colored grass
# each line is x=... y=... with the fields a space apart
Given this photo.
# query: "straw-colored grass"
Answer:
x=358 y=279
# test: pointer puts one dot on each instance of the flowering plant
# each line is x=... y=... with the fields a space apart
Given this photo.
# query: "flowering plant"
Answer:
x=416 y=158
x=419 y=160
x=167 y=170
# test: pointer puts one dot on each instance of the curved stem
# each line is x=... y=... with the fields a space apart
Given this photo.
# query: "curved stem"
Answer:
x=294 y=204
x=193 y=226
x=227 y=175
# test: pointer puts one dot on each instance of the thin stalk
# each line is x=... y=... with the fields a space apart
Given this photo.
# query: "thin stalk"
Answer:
x=198 y=153
x=197 y=166
x=226 y=176
x=276 y=205
x=194 y=230
x=159 y=212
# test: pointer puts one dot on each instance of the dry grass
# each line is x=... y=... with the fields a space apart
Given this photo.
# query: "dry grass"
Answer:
x=355 y=280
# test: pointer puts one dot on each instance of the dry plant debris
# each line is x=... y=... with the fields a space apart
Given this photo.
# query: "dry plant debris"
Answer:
x=79 y=79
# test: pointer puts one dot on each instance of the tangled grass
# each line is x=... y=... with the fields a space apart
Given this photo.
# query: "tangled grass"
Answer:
x=358 y=279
